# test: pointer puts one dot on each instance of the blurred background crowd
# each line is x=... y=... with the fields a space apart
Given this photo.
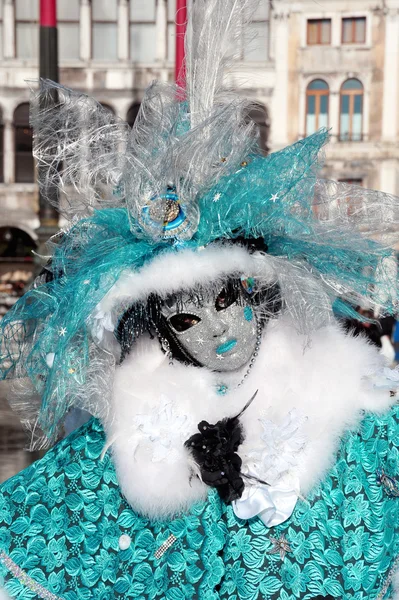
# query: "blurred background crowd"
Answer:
x=304 y=63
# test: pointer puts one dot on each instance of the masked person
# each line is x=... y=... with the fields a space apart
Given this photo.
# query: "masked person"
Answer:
x=242 y=445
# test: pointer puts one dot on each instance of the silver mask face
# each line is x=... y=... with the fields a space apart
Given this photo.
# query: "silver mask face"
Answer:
x=220 y=333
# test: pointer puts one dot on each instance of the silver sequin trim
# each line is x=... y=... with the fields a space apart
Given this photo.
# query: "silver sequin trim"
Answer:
x=165 y=546
x=24 y=578
x=388 y=580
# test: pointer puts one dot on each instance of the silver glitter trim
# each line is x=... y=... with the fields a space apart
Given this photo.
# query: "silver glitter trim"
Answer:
x=388 y=580
x=165 y=546
x=24 y=578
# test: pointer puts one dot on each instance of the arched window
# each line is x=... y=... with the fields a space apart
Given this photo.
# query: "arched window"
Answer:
x=351 y=113
x=317 y=95
x=108 y=107
x=24 y=166
x=16 y=245
x=132 y=113
x=16 y=265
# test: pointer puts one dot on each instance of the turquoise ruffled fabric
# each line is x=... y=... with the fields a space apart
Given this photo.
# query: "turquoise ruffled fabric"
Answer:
x=61 y=520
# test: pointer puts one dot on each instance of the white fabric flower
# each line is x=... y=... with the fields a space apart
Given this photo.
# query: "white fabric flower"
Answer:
x=164 y=430
x=273 y=461
x=385 y=378
x=280 y=446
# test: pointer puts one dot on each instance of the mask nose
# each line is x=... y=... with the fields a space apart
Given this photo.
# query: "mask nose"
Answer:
x=219 y=328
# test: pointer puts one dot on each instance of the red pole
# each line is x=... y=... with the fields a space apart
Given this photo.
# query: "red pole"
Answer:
x=48 y=13
x=48 y=70
x=181 y=23
x=48 y=40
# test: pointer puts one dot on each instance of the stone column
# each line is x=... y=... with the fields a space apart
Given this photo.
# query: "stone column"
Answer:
x=391 y=77
x=123 y=30
x=161 y=30
x=85 y=30
x=9 y=29
x=389 y=177
x=333 y=116
x=9 y=151
x=279 y=117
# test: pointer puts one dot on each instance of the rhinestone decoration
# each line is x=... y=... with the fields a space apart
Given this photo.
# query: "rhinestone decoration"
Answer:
x=24 y=578
x=248 y=313
x=280 y=546
x=164 y=211
x=390 y=485
x=248 y=283
x=165 y=546
x=164 y=214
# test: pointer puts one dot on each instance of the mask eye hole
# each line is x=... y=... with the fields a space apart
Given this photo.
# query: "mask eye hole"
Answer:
x=183 y=321
x=226 y=298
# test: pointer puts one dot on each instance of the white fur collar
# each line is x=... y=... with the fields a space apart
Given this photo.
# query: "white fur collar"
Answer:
x=156 y=407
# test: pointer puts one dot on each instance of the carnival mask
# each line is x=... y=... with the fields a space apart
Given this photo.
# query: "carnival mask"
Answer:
x=219 y=331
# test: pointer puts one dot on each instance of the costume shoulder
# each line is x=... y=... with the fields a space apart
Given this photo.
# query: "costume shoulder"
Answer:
x=66 y=532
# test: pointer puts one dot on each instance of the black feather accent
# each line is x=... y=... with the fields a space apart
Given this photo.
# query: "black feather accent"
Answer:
x=214 y=449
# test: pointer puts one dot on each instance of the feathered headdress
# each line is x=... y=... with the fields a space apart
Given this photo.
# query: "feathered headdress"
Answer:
x=151 y=210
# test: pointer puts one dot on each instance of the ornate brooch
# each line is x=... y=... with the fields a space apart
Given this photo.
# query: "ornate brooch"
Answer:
x=389 y=484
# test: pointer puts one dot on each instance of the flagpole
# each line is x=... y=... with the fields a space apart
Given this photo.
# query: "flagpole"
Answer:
x=181 y=24
x=48 y=69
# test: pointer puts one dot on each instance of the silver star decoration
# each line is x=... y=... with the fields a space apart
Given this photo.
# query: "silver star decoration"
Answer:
x=62 y=332
x=200 y=341
x=217 y=197
x=219 y=357
x=280 y=546
x=274 y=197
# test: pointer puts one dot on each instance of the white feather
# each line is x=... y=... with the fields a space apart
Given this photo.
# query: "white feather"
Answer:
x=214 y=31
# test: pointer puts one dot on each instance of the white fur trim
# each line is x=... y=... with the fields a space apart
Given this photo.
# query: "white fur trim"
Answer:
x=324 y=377
x=4 y=595
x=152 y=487
x=171 y=272
x=395 y=585
x=174 y=271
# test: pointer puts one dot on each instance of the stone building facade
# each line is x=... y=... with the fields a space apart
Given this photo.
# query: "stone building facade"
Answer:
x=306 y=64
x=340 y=60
